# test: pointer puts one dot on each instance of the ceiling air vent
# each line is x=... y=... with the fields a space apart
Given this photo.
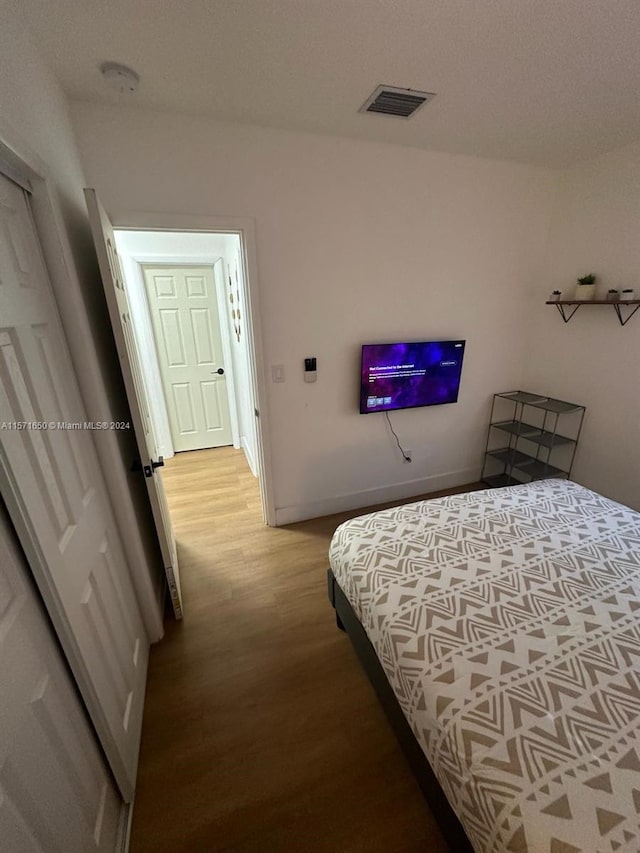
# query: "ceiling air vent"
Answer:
x=391 y=101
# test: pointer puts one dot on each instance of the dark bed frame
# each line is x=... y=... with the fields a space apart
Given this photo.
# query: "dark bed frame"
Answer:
x=446 y=819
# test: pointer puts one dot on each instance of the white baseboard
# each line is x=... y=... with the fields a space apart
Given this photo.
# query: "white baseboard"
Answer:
x=371 y=497
x=244 y=444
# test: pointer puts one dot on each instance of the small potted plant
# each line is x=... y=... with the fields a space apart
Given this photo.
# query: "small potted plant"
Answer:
x=555 y=296
x=627 y=295
x=612 y=295
x=586 y=288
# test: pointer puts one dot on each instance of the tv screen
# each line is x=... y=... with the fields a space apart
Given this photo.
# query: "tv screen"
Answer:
x=407 y=375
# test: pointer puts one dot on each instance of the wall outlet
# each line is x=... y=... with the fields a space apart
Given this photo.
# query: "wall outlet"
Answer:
x=408 y=455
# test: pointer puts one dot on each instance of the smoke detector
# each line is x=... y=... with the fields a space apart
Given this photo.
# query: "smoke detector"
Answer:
x=119 y=77
x=392 y=101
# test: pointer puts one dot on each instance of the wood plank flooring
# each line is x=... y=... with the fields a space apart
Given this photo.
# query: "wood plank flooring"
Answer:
x=261 y=733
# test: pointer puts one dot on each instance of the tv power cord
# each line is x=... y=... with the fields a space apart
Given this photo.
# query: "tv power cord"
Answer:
x=405 y=455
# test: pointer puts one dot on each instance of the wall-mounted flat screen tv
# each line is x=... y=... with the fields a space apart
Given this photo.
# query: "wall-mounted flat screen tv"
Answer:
x=408 y=375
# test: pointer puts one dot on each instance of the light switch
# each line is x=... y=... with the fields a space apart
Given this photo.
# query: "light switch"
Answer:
x=277 y=372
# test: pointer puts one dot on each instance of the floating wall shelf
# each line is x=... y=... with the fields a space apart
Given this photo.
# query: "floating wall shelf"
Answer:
x=631 y=305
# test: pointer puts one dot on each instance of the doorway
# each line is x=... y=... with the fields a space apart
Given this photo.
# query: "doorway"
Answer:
x=134 y=367
x=188 y=300
x=190 y=310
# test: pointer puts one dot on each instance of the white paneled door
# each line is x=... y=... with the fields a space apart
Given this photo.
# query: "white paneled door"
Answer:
x=58 y=500
x=56 y=792
x=186 y=326
x=120 y=315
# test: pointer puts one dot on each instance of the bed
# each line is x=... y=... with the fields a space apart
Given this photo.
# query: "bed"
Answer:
x=507 y=625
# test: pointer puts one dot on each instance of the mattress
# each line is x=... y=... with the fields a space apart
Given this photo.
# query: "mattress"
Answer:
x=508 y=624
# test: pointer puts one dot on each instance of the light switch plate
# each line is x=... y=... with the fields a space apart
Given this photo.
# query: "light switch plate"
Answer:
x=277 y=372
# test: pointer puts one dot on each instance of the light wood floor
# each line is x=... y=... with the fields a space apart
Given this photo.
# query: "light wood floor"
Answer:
x=261 y=732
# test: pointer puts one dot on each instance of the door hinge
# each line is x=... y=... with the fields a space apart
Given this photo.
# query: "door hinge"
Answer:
x=256 y=412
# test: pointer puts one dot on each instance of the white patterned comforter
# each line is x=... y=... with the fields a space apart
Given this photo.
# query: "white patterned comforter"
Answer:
x=508 y=624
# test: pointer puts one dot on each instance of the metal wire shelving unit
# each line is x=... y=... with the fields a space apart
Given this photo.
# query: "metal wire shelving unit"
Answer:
x=530 y=437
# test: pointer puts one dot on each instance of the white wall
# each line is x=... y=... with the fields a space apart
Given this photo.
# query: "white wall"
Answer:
x=145 y=341
x=34 y=120
x=592 y=359
x=356 y=242
x=240 y=353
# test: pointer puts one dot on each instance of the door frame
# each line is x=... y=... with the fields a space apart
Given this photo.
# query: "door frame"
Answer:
x=140 y=259
x=244 y=227
x=22 y=165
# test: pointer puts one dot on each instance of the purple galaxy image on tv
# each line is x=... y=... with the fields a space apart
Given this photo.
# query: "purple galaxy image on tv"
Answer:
x=407 y=375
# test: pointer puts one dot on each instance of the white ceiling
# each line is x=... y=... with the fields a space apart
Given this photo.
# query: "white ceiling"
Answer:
x=542 y=81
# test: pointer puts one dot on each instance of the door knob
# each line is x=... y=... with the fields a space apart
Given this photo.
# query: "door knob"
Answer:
x=149 y=469
x=220 y=371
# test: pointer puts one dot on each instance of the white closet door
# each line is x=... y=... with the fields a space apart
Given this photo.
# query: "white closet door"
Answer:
x=59 y=504
x=56 y=792
x=186 y=327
